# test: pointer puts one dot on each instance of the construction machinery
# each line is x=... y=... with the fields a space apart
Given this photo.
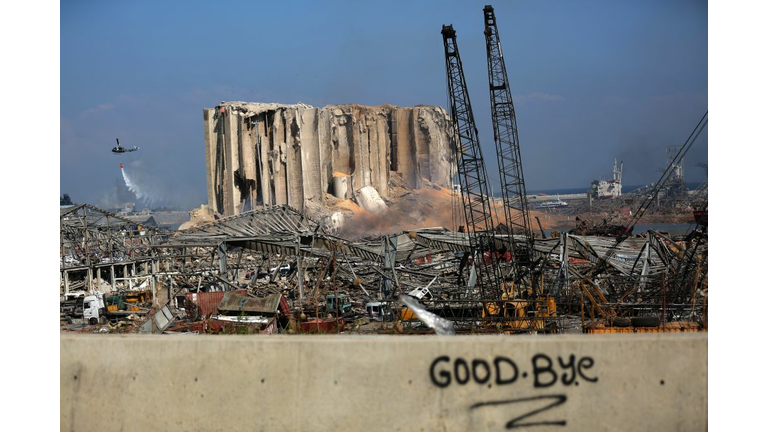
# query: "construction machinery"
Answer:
x=507 y=142
x=648 y=199
x=473 y=179
x=686 y=262
x=537 y=303
x=500 y=302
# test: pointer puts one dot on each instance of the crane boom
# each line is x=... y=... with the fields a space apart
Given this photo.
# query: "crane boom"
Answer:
x=651 y=197
x=471 y=170
x=507 y=146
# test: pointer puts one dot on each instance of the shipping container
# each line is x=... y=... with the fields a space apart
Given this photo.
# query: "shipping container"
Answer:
x=203 y=304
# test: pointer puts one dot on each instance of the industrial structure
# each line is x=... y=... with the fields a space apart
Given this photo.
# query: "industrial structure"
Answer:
x=505 y=135
x=268 y=262
x=267 y=265
x=96 y=245
x=676 y=185
x=607 y=189
x=260 y=155
x=281 y=251
x=473 y=179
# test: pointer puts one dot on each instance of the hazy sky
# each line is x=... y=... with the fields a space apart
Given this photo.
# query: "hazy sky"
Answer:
x=591 y=80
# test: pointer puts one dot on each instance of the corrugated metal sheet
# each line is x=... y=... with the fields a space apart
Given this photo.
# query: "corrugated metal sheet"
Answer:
x=284 y=307
x=234 y=303
x=252 y=224
x=157 y=321
x=270 y=328
x=206 y=302
x=443 y=240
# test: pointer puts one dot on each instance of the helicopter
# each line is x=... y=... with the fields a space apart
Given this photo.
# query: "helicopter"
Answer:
x=118 y=149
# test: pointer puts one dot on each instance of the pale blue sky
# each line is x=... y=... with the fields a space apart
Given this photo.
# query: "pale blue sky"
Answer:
x=592 y=80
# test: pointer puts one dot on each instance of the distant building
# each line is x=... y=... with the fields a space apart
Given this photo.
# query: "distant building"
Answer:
x=675 y=186
x=170 y=219
x=122 y=208
x=608 y=189
x=167 y=219
x=143 y=220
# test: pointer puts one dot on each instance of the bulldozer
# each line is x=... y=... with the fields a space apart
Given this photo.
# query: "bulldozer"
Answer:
x=523 y=310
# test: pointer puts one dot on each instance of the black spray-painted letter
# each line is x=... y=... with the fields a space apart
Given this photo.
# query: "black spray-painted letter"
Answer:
x=538 y=370
x=446 y=381
x=514 y=423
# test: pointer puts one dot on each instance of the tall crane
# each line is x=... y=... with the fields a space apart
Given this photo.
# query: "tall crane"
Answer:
x=670 y=171
x=507 y=149
x=588 y=285
x=471 y=172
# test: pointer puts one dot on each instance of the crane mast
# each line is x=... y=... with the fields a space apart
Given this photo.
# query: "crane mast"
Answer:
x=471 y=171
x=507 y=148
x=650 y=197
x=687 y=263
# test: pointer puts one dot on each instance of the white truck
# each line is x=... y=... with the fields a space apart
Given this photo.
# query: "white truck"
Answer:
x=94 y=309
x=90 y=308
x=98 y=308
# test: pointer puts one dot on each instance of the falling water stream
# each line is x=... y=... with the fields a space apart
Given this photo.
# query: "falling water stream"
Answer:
x=142 y=192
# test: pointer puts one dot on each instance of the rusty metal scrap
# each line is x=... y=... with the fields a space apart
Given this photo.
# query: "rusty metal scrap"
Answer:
x=264 y=254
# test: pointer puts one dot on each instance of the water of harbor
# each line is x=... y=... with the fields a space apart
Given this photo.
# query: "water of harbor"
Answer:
x=671 y=229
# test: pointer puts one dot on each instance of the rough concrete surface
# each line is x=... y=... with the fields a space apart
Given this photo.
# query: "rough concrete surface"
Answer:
x=384 y=383
x=370 y=200
x=271 y=154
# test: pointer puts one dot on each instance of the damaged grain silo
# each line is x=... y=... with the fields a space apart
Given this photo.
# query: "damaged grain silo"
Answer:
x=261 y=154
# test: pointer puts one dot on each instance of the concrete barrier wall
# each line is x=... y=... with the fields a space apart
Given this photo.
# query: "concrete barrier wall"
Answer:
x=384 y=383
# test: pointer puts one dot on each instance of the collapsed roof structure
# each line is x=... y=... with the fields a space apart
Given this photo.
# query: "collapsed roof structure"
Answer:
x=432 y=264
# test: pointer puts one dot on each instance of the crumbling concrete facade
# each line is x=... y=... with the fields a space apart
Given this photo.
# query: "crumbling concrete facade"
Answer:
x=261 y=154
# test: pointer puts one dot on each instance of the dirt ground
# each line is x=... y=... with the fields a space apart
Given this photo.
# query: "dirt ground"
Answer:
x=437 y=206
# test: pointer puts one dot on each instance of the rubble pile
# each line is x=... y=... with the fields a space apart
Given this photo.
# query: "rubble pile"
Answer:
x=280 y=270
